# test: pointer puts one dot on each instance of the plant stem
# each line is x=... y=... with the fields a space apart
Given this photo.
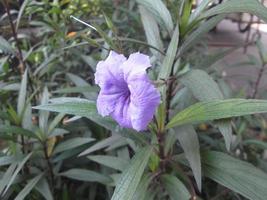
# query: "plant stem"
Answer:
x=14 y=33
x=255 y=90
x=49 y=165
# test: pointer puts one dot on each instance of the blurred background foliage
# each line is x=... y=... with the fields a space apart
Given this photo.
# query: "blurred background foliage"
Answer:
x=44 y=53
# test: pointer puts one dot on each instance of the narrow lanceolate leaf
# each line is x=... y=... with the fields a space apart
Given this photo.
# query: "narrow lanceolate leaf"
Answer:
x=188 y=139
x=169 y=59
x=22 y=94
x=75 y=106
x=5 y=47
x=151 y=30
x=27 y=189
x=247 y=6
x=218 y=109
x=198 y=81
x=199 y=9
x=15 y=173
x=101 y=144
x=160 y=12
x=16 y=130
x=85 y=108
x=21 y=10
x=197 y=34
x=143 y=187
x=236 y=175
x=175 y=188
x=72 y=143
x=132 y=175
x=203 y=87
x=43 y=114
x=110 y=161
x=86 y=175
x=43 y=187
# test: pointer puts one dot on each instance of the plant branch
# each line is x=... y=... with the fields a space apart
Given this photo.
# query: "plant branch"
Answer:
x=257 y=84
x=19 y=55
x=49 y=165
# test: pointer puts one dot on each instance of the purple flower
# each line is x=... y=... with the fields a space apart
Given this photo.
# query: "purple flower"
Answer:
x=126 y=94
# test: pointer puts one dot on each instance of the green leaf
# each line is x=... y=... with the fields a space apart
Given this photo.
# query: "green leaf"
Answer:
x=203 y=87
x=110 y=161
x=257 y=143
x=86 y=108
x=17 y=130
x=27 y=189
x=142 y=189
x=45 y=64
x=91 y=93
x=198 y=81
x=175 y=187
x=188 y=139
x=234 y=6
x=194 y=37
x=19 y=166
x=160 y=12
x=236 y=175
x=218 y=109
x=43 y=187
x=6 y=160
x=22 y=94
x=102 y=144
x=132 y=175
x=43 y=114
x=199 y=9
x=21 y=10
x=5 y=46
x=74 y=106
x=72 y=143
x=169 y=59
x=151 y=30
x=86 y=175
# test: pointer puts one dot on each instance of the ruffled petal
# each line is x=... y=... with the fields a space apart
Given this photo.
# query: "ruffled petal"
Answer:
x=109 y=70
x=135 y=66
x=122 y=113
x=144 y=100
x=108 y=98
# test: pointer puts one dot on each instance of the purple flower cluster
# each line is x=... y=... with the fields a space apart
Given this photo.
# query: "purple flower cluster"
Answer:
x=126 y=94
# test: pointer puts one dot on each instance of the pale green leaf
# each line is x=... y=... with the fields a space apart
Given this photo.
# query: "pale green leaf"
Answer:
x=22 y=94
x=160 y=12
x=234 y=6
x=151 y=30
x=169 y=59
x=218 y=109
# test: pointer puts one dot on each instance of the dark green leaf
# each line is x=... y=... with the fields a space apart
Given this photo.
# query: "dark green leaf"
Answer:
x=236 y=175
x=132 y=175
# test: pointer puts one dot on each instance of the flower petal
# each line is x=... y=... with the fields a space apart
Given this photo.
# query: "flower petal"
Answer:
x=108 y=98
x=135 y=66
x=144 y=100
x=109 y=71
x=122 y=113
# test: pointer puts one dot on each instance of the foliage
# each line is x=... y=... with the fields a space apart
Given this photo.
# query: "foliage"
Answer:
x=55 y=145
